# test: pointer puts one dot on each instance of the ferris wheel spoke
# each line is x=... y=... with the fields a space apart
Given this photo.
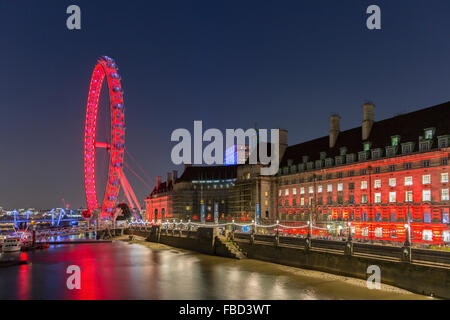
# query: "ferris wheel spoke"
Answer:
x=104 y=145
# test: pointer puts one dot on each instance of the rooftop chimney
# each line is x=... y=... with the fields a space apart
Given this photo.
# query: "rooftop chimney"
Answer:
x=174 y=176
x=368 y=118
x=335 y=127
x=168 y=178
x=158 y=182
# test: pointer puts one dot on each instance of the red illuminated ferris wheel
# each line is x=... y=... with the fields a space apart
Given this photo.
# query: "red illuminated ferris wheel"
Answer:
x=116 y=147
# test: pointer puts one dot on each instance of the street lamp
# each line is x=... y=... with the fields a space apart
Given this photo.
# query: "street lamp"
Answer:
x=349 y=231
x=408 y=225
x=278 y=222
x=313 y=211
x=369 y=169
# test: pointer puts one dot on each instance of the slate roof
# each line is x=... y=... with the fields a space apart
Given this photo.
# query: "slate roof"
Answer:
x=408 y=126
x=209 y=173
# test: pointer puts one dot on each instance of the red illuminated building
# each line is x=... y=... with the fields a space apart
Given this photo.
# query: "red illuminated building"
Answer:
x=159 y=204
x=367 y=179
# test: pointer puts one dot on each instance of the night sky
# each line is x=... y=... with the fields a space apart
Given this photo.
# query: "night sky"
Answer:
x=287 y=64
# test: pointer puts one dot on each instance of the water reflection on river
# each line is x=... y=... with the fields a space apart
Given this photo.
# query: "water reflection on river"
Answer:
x=120 y=270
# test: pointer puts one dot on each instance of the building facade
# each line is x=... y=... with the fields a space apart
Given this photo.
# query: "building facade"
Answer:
x=375 y=181
x=370 y=179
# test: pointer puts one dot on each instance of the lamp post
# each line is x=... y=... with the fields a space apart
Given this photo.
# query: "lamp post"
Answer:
x=278 y=222
x=313 y=209
x=349 y=231
x=369 y=169
x=408 y=225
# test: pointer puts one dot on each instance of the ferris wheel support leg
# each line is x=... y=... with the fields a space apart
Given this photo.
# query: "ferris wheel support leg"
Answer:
x=129 y=193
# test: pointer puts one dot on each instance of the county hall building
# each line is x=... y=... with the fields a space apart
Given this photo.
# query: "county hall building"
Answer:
x=368 y=180
x=372 y=176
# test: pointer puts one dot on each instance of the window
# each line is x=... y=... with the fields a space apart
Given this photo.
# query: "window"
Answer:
x=379 y=232
x=378 y=216
x=426 y=179
x=302 y=190
x=445 y=216
x=350 y=157
x=395 y=140
x=351 y=173
x=377 y=197
x=294 y=191
x=351 y=199
x=443 y=141
x=408 y=181
x=444 y=195
x=424 y=146
x=364 y=198
x=339 y=199
x=279 y=193
x=392 y=182
x=319 y=188
x=377 y=169
x=376 y=154
x=339 y=174
x=444 y=177
x=407 y=147
x=408 y=196
x=286 y=192
x=266 y=193
x=319 y=163
x=366 y=146
x=392 y=196
x=329 y=176
x=330 y=199
x=362 y=155
x=426 y=195
x=302 y=201
x=311 y=189
x=365 y=232
x=351 y=186
x=393 y=219
x=408 y=165
x=444 y=161
x=427 y=235
x=377 y=184
x=363 y=172
x=391 y=151
x=392 y=167
x=429 y=133
x=363 y=184
x=426 y=163
x=427 y=216
x=329 y=187
x=446 y=236
x=340 y=187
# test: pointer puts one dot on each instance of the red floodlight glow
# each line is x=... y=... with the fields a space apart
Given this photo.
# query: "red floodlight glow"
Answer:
x=105 y=67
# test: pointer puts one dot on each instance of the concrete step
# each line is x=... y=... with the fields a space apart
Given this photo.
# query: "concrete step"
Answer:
x=232 y=248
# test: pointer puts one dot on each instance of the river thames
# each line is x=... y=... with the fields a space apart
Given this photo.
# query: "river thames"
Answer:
x=121 y=270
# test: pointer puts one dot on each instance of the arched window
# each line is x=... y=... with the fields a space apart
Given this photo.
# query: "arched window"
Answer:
x=162 y=214
x=155 y=217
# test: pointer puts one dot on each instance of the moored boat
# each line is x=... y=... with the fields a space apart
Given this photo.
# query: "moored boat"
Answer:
x=11 y=244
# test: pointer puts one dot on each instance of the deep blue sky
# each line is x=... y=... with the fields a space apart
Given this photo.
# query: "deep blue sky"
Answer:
x=286 y=64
